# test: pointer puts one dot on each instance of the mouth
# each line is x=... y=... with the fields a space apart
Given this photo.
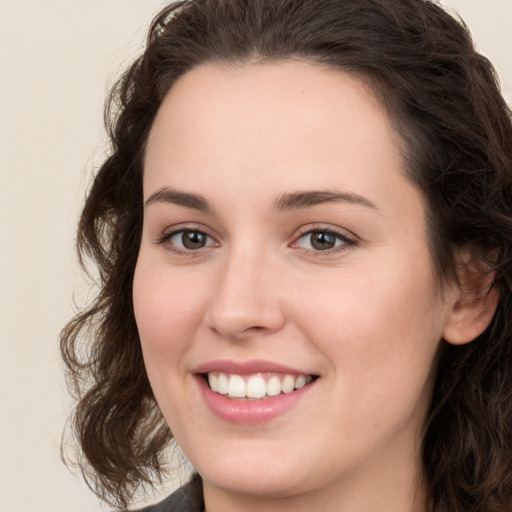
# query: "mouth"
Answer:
x=258 y=386
x=252 y=392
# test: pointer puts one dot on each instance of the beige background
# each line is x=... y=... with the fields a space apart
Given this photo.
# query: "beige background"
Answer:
x=56 y=59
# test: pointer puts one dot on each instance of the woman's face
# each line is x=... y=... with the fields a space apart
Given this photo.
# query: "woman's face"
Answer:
x=283 y=247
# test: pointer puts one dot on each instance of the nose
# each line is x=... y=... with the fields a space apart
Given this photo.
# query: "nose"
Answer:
x=246 y=300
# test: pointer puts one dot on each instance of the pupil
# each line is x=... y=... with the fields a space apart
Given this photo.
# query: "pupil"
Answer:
x=323 y=241
x=193 y=240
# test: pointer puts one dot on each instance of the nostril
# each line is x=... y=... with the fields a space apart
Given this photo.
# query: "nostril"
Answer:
x=238 y=331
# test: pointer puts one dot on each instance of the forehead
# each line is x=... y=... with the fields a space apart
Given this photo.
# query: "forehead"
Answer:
x=293 y=91
x=220 y=125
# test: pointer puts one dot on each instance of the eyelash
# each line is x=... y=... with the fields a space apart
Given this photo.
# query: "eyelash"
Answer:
x=166 y=238
x=346 y=241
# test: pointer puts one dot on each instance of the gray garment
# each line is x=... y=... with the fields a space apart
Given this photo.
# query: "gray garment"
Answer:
x=188 y=498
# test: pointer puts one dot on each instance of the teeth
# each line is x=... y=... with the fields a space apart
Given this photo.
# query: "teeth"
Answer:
x=222 y=384
x=237 y=387
x=273 y=386
x=255 y=386
x=213 y=380
x=288 y=384
x=300 y=382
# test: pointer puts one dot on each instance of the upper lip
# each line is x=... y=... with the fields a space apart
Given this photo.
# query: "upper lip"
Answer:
x=247 y=367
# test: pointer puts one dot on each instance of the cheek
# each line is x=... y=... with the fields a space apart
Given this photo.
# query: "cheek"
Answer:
x=381 y=327
x=167 y=312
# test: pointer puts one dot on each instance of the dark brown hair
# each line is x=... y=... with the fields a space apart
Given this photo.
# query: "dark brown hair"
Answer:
x=456 y=130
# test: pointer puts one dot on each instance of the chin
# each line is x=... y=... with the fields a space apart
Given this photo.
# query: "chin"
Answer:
x=263 y=482
x=255 y=470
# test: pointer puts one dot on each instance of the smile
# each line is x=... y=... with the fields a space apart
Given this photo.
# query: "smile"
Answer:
x=257 y=386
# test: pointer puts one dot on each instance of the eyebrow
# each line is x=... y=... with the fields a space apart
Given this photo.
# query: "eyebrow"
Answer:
x=307 y=199
x=285 y=202
x=186 y=199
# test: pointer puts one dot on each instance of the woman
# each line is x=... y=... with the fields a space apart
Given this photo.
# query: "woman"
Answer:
x=304 y=237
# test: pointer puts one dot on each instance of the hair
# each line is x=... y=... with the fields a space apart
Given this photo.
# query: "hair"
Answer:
x=444 y=101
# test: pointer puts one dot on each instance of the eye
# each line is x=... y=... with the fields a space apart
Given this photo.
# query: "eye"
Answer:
x=323 y=240
x=188 y=240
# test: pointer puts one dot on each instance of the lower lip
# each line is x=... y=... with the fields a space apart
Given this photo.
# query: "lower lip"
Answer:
x=250 y=411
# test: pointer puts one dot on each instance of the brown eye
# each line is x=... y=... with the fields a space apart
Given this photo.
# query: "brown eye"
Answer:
x=323 y=240
x=190 y=240
x=193 y=239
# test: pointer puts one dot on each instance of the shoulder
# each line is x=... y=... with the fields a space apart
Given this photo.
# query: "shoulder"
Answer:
x=188 y=498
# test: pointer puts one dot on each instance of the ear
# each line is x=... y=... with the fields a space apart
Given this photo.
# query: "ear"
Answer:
x=474 y=300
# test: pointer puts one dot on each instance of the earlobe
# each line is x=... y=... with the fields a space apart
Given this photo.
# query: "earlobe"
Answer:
x=474 y=305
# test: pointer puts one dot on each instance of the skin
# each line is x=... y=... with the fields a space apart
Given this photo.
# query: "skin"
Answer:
x=366 y=318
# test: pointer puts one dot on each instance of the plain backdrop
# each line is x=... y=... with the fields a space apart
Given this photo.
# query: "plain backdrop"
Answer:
x=57 y=58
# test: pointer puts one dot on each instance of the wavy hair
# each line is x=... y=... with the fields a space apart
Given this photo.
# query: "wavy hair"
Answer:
x=456 y=132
